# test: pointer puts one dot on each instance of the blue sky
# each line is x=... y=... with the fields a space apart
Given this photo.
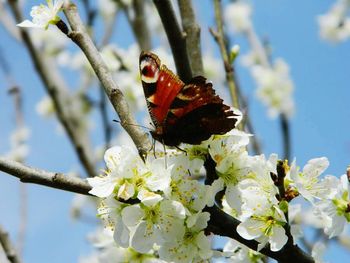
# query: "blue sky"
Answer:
x=320 y=126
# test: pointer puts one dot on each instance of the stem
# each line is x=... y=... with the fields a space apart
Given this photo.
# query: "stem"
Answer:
x=139 y=25
x=286 y=136
x=223 y=224
x=176 y=38
x=9 y=250
x=80 y=37
x=193 y=36
x=104 y=116
x=219 y=37
x=28 y=174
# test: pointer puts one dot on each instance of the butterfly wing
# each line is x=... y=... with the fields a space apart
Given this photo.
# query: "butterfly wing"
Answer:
x=197 y=113
x=160 y=86
x=187 y=113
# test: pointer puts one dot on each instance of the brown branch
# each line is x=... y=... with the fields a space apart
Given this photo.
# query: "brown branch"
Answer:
x=80 y=37
x=8 y=247
x=223 y=224
x=220 y=39
x=176 y=38
x=139 y=25
x=28 y=174
x=193 y=36
x=286 y=136
x=16 y=93
x=8 y=23
x=57 y=90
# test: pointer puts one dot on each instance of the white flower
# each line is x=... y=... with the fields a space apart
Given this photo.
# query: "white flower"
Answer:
x=317 y=252
x=240 y=253
x=190 y=193
x=43 y=15
x=45 y=107
x=237 y=16
x=110 y=211
x=275 y=87
x=194 y=247
x=335 y=211
x=153 y=224
x=260 y=176
x=266 y=226
x=108 y=54
x=52 y=42
x=307 y=182
x=335 y=25
x=127 y=174
x=107 y=8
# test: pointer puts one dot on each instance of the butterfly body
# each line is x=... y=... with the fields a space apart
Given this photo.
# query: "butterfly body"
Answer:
x=182 y=113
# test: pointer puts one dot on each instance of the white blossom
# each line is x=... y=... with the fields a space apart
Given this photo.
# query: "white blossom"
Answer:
x=317 y=252
x=275 y=87
x=266 y=226
x=335 y=25
x=43 y=16
x=334 y=211
x=237 y=16
x=307 y=182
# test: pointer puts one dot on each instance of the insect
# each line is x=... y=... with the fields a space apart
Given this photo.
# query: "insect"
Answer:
x=182 y=113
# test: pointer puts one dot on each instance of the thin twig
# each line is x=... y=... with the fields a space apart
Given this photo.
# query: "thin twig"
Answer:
x=220 y=39
x=286 y=136
x=193 y=36
x=104 y=116
x=176 y=38
x=8 y=23
x=138 y=23
x=140 y=26
x=57 y=90
x=27 y=174
x=83 y=40
x=16 y=93
x=8 y=247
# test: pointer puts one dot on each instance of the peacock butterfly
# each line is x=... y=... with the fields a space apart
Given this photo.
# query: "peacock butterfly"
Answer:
x=182 y=113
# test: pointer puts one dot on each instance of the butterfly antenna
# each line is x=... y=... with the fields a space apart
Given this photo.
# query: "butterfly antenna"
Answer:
x=131 y=124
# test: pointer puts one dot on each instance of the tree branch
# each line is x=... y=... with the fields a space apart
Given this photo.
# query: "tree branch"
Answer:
x=286 y=136
x=8 y=23
x=220 y=39
x=57 y=90
x=223 y=224
x=27 y=174
x=80 y=37
x=139 y=25
x=176 y=38
x=193 y=35
x=8 y=247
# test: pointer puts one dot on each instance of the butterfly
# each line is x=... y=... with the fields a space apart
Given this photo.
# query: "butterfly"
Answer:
x=182 y=113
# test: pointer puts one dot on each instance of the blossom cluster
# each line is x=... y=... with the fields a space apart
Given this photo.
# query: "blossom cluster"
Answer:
x=156 y=208
x=335 y=24
x=274 y=84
